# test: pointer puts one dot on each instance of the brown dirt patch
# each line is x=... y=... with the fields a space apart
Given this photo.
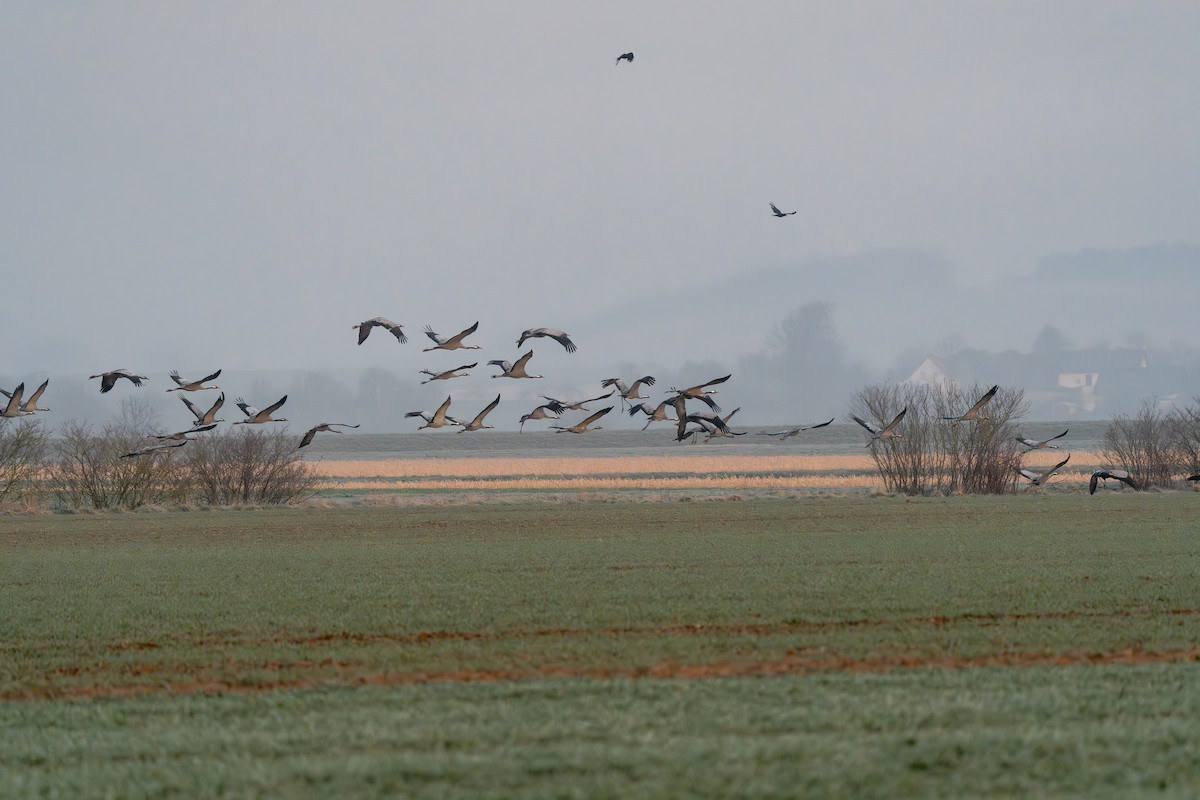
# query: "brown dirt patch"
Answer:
x=749 y=629
x=794 y=664
x=104 y=679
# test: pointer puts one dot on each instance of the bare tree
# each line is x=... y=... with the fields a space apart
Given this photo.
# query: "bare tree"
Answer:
x=248 y=467
x=1146 y=444
x=1185 y=433
x=88 y=470
x=22 y=457
x=932 y=456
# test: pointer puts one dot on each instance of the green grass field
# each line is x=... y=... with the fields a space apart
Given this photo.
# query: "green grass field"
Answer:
x=875 y=646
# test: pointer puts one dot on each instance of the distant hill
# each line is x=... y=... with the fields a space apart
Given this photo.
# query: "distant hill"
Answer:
x=1151 y=263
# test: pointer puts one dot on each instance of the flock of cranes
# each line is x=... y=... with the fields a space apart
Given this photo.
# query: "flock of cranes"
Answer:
x=704 y=421
x=690 y=424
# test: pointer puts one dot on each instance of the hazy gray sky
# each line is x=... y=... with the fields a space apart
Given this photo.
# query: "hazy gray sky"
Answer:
x=236 y=183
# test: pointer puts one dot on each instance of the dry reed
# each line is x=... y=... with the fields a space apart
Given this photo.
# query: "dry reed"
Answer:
x=784 y=471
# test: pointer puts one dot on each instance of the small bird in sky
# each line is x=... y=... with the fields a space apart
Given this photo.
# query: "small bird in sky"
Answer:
x=155 y=449
x=395 y=328
x=795 y=431
x=780 y=214
x=1116 y=474
x=887 y=432
x=1041 y=444
x=477 y=423
x=577 y=405
x=514 y=370
x=13 y=407
x=654 y=413
x=439 y=418
x=1038 y=478
x=257 y=417
x=183 y=385
x=625 y=57
x=31 y=403
x=974 y=411
x=582 y=427
x=455 y=342
x=448 y=374
x=312 y=432
x=629 y=393
x=549 y=410
x=701 y=392
x=552 y=333
x=181 y=435
x=109 y=379
x=206 y=417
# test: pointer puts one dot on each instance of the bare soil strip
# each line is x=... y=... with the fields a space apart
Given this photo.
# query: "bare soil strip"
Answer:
x=796 y=663
x=752 y=629
x=184 y=678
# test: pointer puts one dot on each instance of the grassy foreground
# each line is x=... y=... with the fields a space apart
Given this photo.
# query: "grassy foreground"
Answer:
x=876 y=646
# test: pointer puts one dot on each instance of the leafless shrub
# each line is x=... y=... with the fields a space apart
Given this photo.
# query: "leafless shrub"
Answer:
x=1185 y=433
x=1147 y=444
x=933 y=456
x=22 y=457
x=88 y=470
x=248 y=467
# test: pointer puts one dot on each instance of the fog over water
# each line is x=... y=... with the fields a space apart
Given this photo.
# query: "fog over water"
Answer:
x=235 y=186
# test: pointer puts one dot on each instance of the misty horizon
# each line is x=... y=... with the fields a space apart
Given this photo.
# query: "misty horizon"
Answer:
x=237 y=188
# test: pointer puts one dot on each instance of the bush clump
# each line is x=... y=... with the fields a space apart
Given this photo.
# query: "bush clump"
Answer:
x=934 y=456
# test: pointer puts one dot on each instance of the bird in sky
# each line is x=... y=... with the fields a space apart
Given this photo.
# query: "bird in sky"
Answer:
x=13 y=407
x=109 y=379
x=1039 y=478
x=714 y=430
x=438 y=419
x=1116 y=474
x=975 y=411
x=702 y=393
x=1041 y=444
x=157 y=448
x=181 y=435
x=206 y=417
x=515 y=369
x=707 y=422
x=395 y=328
x=550 y=410
x=887 y=432
x=552 y=333
x=795 y=431
x=577 y=405
x=312 y=432
x=477 y=423
x=780 y=214
x=629 y=393
x=654 y=413
x=582 y=427
x=625 y=57
x=455 y=342
x=30 y=404
x=448 y=374
x=183 y=385
x=256 y=417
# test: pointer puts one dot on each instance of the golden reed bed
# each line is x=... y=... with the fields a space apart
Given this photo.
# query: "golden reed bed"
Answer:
x=720 y=471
